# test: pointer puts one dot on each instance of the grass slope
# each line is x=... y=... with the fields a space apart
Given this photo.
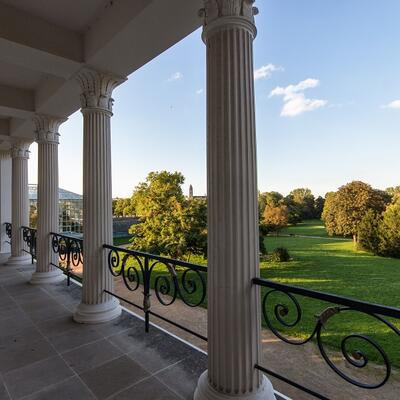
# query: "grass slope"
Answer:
x=335 y=266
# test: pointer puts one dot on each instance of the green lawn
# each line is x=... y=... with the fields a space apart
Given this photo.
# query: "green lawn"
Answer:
x=312 y=227
x=334 y=266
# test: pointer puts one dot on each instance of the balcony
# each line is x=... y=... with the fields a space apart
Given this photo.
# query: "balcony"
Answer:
x=63 y=332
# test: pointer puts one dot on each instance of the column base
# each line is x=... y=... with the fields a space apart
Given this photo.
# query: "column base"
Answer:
x=97 y=313
x=205 y=391
x=19 y=260
x=48 y=277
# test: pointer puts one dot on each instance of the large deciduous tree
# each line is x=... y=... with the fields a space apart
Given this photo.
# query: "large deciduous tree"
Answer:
x=169 y=223
x=275 y=218
x=344 y=209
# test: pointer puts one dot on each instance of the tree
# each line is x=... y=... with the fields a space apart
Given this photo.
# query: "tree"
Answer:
x=33 y=216
x=318 y=207
x=122 y=207
x=344 y=209
x=195 y=227
x=369 y=231
x=275 y=218
x=272 y=199
x=169 y=224
x=303 y=200
x=389 y=231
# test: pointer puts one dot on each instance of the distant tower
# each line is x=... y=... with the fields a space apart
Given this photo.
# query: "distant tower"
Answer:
x=190 y=192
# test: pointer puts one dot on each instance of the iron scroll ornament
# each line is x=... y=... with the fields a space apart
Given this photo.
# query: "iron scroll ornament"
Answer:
x=356 y=358
x=168 y=283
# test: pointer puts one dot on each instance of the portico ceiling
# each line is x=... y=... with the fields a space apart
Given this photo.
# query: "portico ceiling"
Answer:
x=44 y=43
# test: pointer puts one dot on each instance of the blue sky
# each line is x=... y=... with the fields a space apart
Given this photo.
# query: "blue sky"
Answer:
x=328 y=78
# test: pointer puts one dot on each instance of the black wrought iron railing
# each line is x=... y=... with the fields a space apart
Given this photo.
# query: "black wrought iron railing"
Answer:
x=29 y=237
x=166 y=278
x=70 y=253
x=283 y=313
x=8 y=226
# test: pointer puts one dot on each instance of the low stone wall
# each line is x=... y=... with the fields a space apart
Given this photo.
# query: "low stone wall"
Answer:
x=121 y=225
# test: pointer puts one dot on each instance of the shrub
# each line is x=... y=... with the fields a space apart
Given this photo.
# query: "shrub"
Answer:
x=280 y=254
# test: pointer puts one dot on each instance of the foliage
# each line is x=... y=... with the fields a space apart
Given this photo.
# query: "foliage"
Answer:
x=169 y=223
x=275 y=218
x=303 y=200
x=33 y=216
x=318 y=207
x=389 y=231
x=280 y=254
x=271 y=199
x=344 y=209
x=368 y=231
x=122 y=207
x=195 y=226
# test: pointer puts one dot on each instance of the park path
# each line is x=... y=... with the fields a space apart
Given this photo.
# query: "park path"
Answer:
x=302 y=364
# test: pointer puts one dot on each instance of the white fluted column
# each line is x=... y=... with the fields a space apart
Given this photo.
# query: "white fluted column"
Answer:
x=234 y=319
x=48 y=202
x=96 y=306
x=5 y=199
x=20 y=202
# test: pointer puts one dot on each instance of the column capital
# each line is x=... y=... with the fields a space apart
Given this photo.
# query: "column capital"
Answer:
x=4 y=154
x=46 y=128
x=20 y=149
x=97 y=88
x=222 y=14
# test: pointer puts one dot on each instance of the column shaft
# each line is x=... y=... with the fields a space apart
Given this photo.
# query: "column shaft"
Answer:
x=20 y=203
x=48 y=199
x=97 y=205
x=234 y=319
x=5 y=199
x=97 y=306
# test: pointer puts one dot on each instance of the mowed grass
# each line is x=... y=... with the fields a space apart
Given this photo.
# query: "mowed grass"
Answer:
x=312 y=227
x=333 y=265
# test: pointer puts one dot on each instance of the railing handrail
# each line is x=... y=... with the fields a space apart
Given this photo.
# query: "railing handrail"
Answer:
x=359 y=305
x=28 y=227
x=196 y=267
x=66 y=236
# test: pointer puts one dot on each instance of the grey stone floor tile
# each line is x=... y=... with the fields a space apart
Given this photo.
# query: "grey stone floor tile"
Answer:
x=59 y=326
x=10 y=310
x=113 y=376
x=16 y=355
x=12 y=325
x=135 y=338
x=75 y=338
x=120 y=324
x=188 y=371
x=45 y=312
x=30 y=299
x=160 y=352
x=34 y=377
x=70 y=389
x=148 y=389
x=3 y=392
x=25 y=336
x=91 y=355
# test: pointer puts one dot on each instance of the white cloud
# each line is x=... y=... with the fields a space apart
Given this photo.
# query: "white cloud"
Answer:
x=266 y=71
x=394 y=105
x=176 y=76
x=295 y=102
x=200 y=91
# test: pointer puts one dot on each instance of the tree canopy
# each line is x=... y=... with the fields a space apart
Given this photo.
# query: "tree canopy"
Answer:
x=344 y=209
x=169 y=223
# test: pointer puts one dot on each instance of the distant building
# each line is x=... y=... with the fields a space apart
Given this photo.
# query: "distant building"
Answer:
x=191 y=196
x=71 y=209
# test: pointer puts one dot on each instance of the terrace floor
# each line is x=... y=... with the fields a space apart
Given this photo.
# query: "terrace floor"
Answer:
x=45 y=355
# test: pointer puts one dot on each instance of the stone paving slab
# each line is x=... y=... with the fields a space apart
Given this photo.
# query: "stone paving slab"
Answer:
x=44 y=354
